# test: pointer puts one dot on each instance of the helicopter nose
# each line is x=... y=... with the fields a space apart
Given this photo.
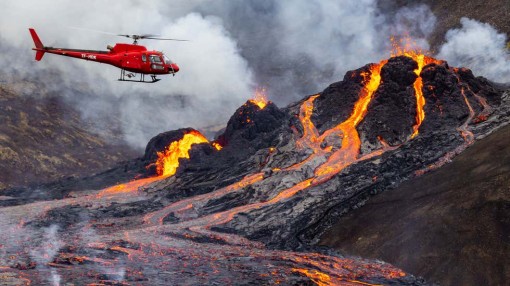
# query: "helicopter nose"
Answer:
x=175 y=67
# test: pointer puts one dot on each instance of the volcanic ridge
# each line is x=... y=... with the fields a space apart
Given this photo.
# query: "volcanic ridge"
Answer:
x=249 y=207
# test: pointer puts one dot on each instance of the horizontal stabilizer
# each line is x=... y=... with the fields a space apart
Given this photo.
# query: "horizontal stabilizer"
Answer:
x=39 y=55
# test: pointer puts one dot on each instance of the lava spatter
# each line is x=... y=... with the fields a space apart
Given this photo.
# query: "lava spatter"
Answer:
x=260 y=98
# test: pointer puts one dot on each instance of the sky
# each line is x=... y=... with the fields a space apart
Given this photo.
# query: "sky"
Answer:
x=290 y=48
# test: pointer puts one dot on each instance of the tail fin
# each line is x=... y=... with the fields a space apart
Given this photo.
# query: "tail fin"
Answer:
x=38 y=45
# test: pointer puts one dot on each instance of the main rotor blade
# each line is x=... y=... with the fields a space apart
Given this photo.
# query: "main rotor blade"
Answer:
x=147 y=36
x=166 y=39
x=136 y=37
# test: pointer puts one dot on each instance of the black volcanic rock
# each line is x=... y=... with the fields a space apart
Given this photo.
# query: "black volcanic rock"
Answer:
x=250 y=121
x=336 y=102
x=480 y=86
x=392 y=111
x=298 y=221
x=445 y=107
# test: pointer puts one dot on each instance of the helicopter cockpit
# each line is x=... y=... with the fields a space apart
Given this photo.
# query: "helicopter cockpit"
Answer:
x=161 y=61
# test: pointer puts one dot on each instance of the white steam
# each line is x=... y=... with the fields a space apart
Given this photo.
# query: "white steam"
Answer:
x=49 y=246
x=55 y=277
x=348 y=34
x=479 y=47
x=417 y=22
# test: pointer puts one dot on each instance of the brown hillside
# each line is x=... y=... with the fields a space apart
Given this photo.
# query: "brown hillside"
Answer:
x=43 y=139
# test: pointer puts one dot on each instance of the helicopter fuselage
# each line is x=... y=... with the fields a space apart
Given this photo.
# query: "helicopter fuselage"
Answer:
x=128 y=57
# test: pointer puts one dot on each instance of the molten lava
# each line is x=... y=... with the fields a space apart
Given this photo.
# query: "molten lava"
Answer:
x=168 y=160
x=351 y=142
x=405 y=47
x=260 y=98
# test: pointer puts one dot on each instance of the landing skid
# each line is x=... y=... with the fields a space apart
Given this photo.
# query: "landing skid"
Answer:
x=123 y=76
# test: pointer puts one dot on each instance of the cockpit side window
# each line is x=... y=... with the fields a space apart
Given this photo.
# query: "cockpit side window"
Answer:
x=155 y=59
x=144 y=58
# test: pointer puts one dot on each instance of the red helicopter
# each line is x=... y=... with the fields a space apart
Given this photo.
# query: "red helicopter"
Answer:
x=128 y=57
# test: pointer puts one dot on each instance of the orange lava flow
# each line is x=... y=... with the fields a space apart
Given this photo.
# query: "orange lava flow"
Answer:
x=129 y=187
x=166 y=165
x=487 y=109
x=157 y=217
x=168 y=160
x=319 y=278
x=422 y=61
x=404 y=48
x=310 y=134
x=351 y=142
x=260 y=98
x=463 y=129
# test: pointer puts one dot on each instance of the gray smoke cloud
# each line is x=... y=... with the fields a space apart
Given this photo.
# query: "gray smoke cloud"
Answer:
x=479 y=47
x=299 y=47
x=292 y=48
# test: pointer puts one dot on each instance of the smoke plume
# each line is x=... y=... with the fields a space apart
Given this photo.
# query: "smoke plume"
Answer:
x=479 y=47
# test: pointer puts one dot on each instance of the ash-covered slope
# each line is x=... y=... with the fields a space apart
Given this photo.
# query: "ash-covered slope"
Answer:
x=451 y=225
x=250 y=211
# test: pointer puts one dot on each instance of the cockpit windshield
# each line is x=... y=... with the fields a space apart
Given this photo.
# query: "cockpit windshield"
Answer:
x=167 y=60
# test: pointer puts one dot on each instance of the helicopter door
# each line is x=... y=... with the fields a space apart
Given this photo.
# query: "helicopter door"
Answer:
x=156 y=63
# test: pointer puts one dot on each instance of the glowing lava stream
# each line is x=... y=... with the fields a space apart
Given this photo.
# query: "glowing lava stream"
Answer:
x=128 y=187
x=463 y=129
x=166 y=164
x=351 y=143
x=405 y=48
x=487 y=109
x=466 y=134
